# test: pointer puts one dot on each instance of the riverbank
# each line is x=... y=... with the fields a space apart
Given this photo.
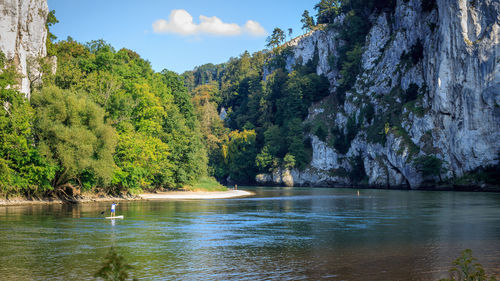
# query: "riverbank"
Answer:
x=169 y=195
x=178 y=195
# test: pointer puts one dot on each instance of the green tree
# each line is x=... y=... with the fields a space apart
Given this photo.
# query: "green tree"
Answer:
x=72 y=134
x=307 y=21
x=429 y=165
x=22 y=169
x=239 y=154
x=143 y=163
x=264 y=160
x=298 y=145
x=160 y=139
x=212 y=127
x=273 y=137
x=51 y=20
x=276 y=38
x=289 y=161
x=327 y=10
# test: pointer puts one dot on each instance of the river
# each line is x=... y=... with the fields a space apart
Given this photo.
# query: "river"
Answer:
x=278 y=234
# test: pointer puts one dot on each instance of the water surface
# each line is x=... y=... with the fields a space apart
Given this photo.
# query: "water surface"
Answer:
x=279 y=234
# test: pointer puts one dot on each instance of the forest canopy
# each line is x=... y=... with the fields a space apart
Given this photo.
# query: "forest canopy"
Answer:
x=103 y=121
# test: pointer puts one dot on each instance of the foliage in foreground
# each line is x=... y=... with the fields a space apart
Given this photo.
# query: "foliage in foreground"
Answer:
x=465 y=268
x=114 y=268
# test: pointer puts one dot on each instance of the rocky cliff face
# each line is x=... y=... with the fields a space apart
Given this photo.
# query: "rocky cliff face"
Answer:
x=23 y=36
x=455 y=115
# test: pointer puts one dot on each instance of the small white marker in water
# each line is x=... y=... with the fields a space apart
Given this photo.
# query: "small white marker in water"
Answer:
x=358 y=192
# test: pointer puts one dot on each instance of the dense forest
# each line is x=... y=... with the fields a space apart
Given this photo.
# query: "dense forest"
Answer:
x=104 y=121
x=267 y=104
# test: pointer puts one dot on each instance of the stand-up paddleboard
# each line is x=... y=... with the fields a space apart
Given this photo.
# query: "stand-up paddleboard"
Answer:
x=115 y=217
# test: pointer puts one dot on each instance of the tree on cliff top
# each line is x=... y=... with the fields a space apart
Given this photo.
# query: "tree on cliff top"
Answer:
x=51 y=20
x=307 y=21
x=277 y=38
x=327 y=10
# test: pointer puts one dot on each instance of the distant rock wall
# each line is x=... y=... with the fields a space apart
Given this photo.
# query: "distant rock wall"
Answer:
x=23 y=35
x=458 y=116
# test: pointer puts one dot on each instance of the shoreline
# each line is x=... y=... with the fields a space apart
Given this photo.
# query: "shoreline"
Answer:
x=230 y=193
x=169 y=195
x=186 y=195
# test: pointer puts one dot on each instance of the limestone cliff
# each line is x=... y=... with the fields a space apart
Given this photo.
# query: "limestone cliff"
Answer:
x=455 y=117
x=23 y=35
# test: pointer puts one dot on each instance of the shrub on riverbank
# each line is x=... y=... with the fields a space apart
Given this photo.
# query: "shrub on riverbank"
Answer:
x=207 y=184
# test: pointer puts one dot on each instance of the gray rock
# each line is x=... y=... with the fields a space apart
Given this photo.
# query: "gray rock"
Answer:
x=23 y=36
x=459 y=77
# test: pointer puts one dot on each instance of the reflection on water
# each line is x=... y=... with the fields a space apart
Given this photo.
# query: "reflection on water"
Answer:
x=281 y=233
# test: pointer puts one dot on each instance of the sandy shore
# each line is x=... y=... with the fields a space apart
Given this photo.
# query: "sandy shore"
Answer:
x=176 y=195
x=171 y=195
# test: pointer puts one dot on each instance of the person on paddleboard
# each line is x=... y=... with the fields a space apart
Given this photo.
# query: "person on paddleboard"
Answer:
x=113 y=208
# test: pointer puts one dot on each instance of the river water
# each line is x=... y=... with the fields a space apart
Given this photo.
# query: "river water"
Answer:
x=278 y=234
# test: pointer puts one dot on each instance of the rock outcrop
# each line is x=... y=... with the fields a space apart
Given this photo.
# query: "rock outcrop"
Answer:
x=456 y=117
x=23 y=35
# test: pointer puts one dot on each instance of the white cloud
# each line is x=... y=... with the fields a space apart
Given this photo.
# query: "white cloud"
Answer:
x=254 y=28
x=215 y=26
x=181 y=22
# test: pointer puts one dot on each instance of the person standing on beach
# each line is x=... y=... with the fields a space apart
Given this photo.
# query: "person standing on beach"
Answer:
x=113 y=207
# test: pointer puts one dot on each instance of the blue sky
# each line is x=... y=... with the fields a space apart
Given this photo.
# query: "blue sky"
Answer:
x=177 y=42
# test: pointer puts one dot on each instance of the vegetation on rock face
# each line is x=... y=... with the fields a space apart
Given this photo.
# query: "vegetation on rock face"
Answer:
x=357 y=174
x=415 y=54
x=264 y=123
x=429 y=165
x=274 y=108
x=482 y=175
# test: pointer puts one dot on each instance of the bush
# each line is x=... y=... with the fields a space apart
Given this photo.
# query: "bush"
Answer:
x=429 y=5
x=465 y=267
x=375 y=132
x=411 y=93
x=368 y=112
x=207 y=184
x=289 y=161
x=357 y=173
x=321 y=132
x=429 y=165
x=415 y=54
